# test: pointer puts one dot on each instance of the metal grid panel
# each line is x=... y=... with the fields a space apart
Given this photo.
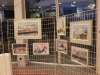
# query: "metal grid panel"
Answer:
x=66 y=66
x=48 y=36
x=72 y=68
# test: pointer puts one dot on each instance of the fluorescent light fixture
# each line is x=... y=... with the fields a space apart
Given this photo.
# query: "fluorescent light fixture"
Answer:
x=3 y=5
x=60 y=3
x=74 y=2
x=39 y=7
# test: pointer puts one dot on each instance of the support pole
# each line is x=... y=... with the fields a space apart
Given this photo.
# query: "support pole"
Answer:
x=20 y=13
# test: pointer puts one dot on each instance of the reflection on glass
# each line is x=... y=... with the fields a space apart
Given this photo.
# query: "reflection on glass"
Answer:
x=40 y=8
x=69 y=7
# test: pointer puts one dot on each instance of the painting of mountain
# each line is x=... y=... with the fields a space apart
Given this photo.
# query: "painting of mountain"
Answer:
x=79 y=55
x=40 y=48
x=61 y=45
x=80 y=32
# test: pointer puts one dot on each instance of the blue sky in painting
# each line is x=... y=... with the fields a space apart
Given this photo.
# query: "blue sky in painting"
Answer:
x=75 y=27
x=60 y=41
x=59 y=20
x=27 y=23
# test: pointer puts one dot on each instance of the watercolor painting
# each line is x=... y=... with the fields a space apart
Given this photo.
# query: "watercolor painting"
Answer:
x=28 y=29
x=81 y=32
x=61 y=45
x=41 y=48
x=19 y=49
x=79 y=55
x=61 y=26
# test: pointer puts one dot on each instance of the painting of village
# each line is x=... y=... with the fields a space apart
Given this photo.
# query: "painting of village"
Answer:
x=79 y=55
x=41 y=48
x=80 y=32
x=61 y=26
x=61 y=45
x=28 y=29
x=19 y=49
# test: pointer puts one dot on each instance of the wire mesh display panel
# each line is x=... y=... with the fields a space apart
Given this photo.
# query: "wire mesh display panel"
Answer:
x=57 y=63
x=70 y=67
x=38 y=64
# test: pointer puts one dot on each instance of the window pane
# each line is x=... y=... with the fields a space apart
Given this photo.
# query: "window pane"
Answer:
x=74 y=6
x=40 y=8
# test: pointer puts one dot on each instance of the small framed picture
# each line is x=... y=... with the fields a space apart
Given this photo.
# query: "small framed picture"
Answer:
x=61 y=46
x=41 y=48
x=79 y=55
x=27 y=29
x=19 y=49
x=81 y=32
x=61 y=26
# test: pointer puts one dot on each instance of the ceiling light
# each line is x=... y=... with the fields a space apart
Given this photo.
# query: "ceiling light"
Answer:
x=74 y=2
x=60 y=3
x=88 y=6
x=39 y=7
x=3 y=5
x=72 y=5
x=93 y=5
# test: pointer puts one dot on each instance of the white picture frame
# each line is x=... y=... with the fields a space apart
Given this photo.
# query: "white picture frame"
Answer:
x=40 y=48
x=79 y=35
x=79 y=57
x=20 y=49
x=61 y=26
x=61 y=46
x=27 y=29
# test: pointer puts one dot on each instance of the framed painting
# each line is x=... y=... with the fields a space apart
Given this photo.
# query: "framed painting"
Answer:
x=27 y=29
x=81 y=32
x=79 y=55
x=61 y=26
x=61 y=46
x=19 y=49
x=41 y=48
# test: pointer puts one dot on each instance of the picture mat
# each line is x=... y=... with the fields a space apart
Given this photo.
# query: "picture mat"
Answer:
x=41 y=47
x=79 y=49
x=39 y=36
x=64 y=52
x=20 y=44
x=64 y=23
x=89 y=32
